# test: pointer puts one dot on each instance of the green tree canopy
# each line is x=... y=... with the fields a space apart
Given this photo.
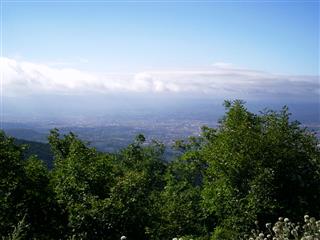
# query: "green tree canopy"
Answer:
x=250 y=167
x=259 y=167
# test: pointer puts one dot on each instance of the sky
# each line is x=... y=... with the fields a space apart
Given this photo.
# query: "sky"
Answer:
x=231 y=49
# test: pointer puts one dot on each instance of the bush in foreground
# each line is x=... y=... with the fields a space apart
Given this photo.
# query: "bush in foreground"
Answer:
x=284 y=229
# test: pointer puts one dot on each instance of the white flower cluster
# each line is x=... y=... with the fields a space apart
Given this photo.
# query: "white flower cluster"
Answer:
x=284 y=229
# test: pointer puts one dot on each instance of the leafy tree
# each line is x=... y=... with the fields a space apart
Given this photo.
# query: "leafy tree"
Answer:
x=251 y=167
x=82 y=179
x=140 y=183
x=260 y=166
x=106 y=196
x=25 y=193
x=12 y=176
x=179 y=209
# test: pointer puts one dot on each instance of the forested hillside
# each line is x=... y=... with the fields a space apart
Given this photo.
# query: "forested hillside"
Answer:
x=248 y=171
x=41 y=150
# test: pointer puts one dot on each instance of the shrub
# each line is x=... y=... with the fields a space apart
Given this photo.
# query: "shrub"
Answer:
x=285 y=229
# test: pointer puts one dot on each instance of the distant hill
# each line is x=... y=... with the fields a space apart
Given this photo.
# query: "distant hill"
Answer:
x=42 y=150
x=27 y=133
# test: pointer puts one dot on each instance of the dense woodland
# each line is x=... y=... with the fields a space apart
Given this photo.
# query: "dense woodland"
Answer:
x=248 y=171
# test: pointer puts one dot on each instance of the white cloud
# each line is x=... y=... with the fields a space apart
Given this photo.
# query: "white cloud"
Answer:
x=222 y=65
x=221 y=80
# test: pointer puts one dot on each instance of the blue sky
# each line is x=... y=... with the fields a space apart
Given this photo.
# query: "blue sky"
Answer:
x=278 y=37
x=252 y=50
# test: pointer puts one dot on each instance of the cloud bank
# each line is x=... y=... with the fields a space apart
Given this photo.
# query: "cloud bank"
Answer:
x=220 y=80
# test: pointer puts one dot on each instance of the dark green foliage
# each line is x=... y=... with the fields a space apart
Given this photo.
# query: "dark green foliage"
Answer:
x=252 y=167
x=25 y=193
x=106 y=195
x=141 y=181
x=82 y=179
x=41 y=150
x=12 y=176
x=223 y=233
x=179 y=208
x=260 y=166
